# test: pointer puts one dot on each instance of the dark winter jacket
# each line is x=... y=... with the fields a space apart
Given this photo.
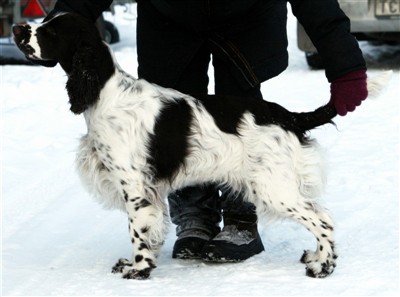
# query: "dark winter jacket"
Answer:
x=255 y=29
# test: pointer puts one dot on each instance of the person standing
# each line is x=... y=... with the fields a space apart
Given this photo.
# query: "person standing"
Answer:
x=246 y=42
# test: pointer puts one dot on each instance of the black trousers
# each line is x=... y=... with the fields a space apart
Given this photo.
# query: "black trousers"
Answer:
x=199 y=206
x=246 y=38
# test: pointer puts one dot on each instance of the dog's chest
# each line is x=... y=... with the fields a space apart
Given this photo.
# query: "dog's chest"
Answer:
x=119 y=128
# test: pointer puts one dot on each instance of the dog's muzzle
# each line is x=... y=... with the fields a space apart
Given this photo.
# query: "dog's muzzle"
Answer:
x=22 y=36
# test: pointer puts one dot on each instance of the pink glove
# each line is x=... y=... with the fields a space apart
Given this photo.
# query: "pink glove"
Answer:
x=349 y=91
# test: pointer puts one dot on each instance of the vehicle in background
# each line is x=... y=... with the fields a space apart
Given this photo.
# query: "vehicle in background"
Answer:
x=33 y=11
x=372 y=20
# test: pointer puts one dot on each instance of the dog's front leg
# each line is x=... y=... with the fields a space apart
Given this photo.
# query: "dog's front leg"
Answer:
x=146 y=230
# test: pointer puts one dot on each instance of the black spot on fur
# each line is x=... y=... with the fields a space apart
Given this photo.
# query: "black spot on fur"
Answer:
x=168 y=145
x=143 y=246
x=143 y=203
x=150 y=262
x=145 y=229
x=109 y=158
x=227 y=112
x=138 y=258
x=138 y=274
x=92 y=66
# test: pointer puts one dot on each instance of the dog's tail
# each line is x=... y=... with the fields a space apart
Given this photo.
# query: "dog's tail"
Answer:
x=325 y=114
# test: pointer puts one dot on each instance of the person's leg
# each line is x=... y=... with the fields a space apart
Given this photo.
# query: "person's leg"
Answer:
x=174 y=57
x=195 y=210
x=239 y=238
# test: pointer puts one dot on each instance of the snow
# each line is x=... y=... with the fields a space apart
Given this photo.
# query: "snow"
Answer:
x=57 y=241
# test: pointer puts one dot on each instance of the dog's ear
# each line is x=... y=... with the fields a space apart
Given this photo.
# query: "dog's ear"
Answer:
x=83 y=85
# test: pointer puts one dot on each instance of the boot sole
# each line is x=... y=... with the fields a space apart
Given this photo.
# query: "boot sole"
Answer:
x=227 y=252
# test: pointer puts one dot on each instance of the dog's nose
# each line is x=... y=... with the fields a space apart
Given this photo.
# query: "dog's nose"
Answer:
x=17 y=30
x=21 y=31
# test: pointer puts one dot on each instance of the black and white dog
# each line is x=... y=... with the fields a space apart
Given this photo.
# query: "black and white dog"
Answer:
x=144 y=141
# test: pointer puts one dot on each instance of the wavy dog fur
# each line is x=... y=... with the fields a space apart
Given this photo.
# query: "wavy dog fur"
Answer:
x=144 y=141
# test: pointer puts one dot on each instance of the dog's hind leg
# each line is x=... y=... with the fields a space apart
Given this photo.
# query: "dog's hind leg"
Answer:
x=322 y=262
x=146 y=230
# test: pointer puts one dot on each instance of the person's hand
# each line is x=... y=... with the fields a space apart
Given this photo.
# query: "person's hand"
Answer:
x=348 y=91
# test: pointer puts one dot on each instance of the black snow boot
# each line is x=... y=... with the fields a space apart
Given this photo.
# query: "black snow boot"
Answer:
x=190 y=244
x=239 y=238
x=197 y=214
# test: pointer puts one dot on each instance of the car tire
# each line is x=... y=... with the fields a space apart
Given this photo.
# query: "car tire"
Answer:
x=111 y=34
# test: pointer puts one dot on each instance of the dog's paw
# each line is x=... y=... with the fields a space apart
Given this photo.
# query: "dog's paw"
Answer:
x=137 y=271
x=320 y=270
x=120 y=265
x=137 y=274
x=317 y=268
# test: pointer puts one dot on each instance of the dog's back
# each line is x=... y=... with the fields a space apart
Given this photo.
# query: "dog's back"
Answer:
x=227 y=110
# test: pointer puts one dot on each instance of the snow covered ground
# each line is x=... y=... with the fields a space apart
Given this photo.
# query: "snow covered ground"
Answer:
x=57 y=241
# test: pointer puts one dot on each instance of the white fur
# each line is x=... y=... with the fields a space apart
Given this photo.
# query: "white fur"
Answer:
x=266 y=160
x=33 y=42
x=225 y=158
x=279 y=174
x=378 y=83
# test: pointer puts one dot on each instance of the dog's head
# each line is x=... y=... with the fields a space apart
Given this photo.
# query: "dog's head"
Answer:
x=75 y=43
x=57 y=39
